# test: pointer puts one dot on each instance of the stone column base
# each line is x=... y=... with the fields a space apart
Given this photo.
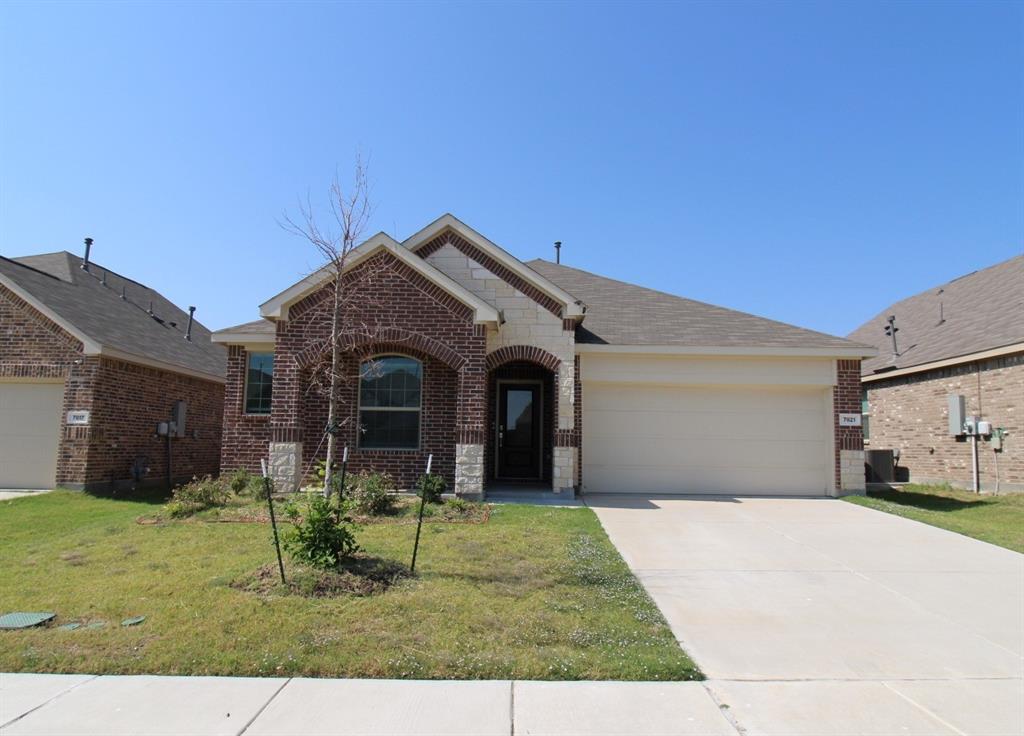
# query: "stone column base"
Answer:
x=563 y=470
x=851 y=473
x=469 y=471
x=286 y=466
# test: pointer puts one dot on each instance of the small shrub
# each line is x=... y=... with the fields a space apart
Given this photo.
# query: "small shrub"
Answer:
x=431 y=487
x=322 y=535
x=243 y=483
x=373 y=493
x=199 y=494
x=459 y=505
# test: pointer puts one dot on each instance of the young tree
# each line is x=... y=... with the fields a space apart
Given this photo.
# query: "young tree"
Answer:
x=350 y=213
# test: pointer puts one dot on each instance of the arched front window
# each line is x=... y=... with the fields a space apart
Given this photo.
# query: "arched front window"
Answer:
x=390 y=396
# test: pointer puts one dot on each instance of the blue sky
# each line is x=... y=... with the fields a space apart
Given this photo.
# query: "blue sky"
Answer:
x=809 y=162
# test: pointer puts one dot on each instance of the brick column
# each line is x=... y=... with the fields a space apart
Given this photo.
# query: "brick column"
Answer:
x=469 y=448
x=849 y=441
x=285 y=415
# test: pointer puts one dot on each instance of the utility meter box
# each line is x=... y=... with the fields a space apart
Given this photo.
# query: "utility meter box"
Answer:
x=957 y=414
x=178 y=418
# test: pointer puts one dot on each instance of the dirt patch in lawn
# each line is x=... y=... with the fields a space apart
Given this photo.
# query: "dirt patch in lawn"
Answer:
x=361 y=576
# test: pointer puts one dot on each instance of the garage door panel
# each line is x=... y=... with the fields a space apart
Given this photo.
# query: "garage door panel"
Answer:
x=741 y=400
x=704 y=439
x=30 y=415
x=720 y=481
x=703 y=451
x=696 y=425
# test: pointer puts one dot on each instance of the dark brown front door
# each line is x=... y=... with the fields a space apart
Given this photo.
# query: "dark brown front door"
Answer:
x=519 y=427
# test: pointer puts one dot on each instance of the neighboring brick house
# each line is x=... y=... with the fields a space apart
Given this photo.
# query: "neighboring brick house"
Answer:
x=91 y=363
x=538 y=375
x=963 y=338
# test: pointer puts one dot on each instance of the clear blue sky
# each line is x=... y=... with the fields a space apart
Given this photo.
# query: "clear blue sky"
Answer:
x=809 y=162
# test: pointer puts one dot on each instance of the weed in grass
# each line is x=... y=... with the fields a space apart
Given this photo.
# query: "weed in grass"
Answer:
x=73 y=558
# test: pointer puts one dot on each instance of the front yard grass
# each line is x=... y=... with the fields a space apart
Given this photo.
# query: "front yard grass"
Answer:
x=995 y=519
x=533 y=593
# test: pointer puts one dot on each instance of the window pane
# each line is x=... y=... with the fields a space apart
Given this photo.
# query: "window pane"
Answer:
x=259 y=383
x=389 y=429
x=391 y=381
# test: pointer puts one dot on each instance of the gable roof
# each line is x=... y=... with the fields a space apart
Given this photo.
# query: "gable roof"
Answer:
x=259 y=331
x=78 y=301
x=571 y=307
x=977 y=312
x=622 y=314
x=277 y=306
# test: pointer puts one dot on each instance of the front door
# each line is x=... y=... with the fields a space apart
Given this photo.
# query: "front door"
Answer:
x=519 y=431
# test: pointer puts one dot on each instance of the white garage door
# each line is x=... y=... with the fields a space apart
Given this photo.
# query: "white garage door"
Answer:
x=738 y=440
x=30 y=416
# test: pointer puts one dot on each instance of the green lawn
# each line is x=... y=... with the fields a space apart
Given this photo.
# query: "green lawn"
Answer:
x=995 y=519
x=534 y=593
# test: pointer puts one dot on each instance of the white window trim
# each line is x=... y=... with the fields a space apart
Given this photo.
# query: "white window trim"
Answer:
x=359 y=407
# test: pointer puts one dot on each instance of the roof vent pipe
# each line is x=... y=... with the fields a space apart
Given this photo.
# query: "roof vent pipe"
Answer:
x=124 y=291
x=104 y=279
x=88 y=247
x=891 y=329
x=188 y=330
x=150 y=310
x=558 y=251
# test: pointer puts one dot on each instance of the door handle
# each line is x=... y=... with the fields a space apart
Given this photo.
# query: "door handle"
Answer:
x=501 y=436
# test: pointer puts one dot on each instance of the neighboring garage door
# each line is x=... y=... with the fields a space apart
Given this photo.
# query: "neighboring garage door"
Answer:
x=742 y=440
x=30 y=416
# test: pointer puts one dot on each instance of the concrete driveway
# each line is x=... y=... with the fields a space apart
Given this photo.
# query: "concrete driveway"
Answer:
x=818 y=616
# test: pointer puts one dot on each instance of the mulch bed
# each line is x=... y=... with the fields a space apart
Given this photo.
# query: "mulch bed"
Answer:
x=362 y=575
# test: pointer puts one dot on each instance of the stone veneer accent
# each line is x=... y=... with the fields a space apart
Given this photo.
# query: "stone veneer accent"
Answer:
x=286 y=465
x=851 y=472
x=563 y=478
x=910 y=413
x=469 y=471
x=533 y=330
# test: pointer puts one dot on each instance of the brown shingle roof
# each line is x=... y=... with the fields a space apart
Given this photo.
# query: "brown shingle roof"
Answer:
x=259 y=326
x=80 y=299
x=980 y=311
x=624 y=314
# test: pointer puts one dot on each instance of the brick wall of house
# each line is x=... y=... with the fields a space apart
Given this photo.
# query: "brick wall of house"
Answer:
x=910 y=413
x=439 y=407
x=125 y=402
x=396 y=311
x=246 y=437
x=31 y=346
x=128 y=401
x=849 y=441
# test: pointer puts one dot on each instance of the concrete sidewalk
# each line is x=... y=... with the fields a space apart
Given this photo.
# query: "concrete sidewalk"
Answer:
x=83 y=705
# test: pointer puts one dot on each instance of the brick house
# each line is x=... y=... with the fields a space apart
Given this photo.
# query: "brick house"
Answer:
x=540 y=375
x=963 y=338
x=91 y=363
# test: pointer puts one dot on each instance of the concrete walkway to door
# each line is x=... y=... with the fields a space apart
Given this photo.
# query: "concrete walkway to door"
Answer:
x=816 y=616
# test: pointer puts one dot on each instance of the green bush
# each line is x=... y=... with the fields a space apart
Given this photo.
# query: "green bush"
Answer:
x=431 y=487
x=460 y=505
x=198 y=494
x=243 y=483
x=321 y=535
x=373 y=494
